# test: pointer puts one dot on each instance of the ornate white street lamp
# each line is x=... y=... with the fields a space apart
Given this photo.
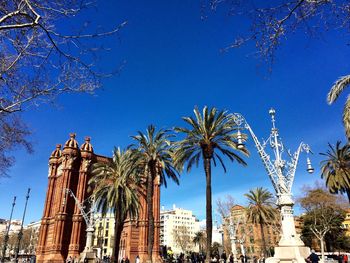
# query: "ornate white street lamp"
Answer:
x=88 y=215
x=281 y=173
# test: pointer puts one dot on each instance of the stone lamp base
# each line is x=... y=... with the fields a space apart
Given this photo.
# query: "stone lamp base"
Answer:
x=289 y=254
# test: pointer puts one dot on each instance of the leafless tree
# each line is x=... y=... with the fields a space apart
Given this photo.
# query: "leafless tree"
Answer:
x=42 y=55
x=270 y=22
x=223 y=207
x=182 y=238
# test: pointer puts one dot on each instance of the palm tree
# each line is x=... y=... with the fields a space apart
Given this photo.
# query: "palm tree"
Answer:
x=154 y=150
x=116 y=189
x=199 y=239
x=333 y=95
x=210 y=134
x=336 y=169
x=260 y=210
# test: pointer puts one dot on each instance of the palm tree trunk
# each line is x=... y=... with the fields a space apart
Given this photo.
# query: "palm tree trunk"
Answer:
x=118 y=229
x=150 y=240
x=263 y=239
x=209 y=220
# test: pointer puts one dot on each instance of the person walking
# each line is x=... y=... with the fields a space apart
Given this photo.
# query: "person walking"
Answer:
x=313 y=258
x=230 y=259
x=223 y=256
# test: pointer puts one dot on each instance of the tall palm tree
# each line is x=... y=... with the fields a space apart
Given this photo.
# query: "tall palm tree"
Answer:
x=261 y=210
x=211 y=135
x=333 y=95
x=116 y=189
x=154 y=150
x=336 y=169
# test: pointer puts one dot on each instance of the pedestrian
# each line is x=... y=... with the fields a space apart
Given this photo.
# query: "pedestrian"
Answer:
x=313 y=258
x=69 y=259
x=345 y=258
x=230 y=259
x=223 y=256
x=127 y=260
x=137 y=259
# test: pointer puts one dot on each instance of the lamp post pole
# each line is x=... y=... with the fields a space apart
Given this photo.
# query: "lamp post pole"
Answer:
x=88 y=215
x=100 y=239
x=6 y=238
x=281 y=173
x=20 y=234
x=233 y=237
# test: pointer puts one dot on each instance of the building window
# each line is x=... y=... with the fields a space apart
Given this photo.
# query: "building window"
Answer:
x=107 y=225
x=106 y=233
x=106 y=242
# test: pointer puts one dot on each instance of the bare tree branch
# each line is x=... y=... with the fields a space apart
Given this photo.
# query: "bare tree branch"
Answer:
x=270 y=22
x=40 y=59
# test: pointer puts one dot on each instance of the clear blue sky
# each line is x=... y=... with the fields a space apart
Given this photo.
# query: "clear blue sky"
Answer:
x=173 y=64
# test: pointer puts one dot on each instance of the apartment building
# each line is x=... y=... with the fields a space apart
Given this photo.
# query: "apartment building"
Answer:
x=346 y=223
x=177 y=229
x=33 y=228
x=14 y=228
x=248 y=235
x=104 y=235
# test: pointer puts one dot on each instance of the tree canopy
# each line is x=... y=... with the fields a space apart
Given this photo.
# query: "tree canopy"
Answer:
x=324 y=213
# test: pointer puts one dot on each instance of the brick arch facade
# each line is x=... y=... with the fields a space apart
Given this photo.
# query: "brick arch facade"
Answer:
x=62 y=231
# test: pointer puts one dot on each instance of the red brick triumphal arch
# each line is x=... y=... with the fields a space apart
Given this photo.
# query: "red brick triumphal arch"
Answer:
x=62 y=232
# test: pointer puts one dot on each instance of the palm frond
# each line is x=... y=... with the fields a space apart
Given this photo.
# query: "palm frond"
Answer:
x=213 y=129
x=260 y=209
x=154 y=147
x=346 y=117
x=338 y=88
x=335 y=169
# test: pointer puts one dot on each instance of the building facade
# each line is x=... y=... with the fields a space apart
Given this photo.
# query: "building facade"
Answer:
x=177 y=230
x=346 y=222
x=62 y=231
x=248 y=235
x=104 y=235
x=14 y=227
x=33 y=228
x=217 y=234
